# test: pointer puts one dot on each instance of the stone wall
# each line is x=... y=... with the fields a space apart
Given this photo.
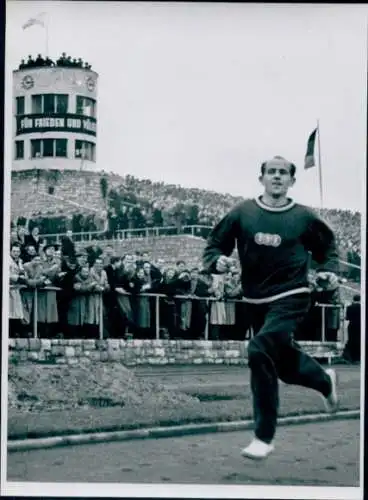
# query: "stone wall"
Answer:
x=29 y=187
x=138 y=352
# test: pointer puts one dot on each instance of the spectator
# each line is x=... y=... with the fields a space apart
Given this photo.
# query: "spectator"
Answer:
x=352 y=353
x=93 y=252
x=198 y=288
x=17 y=279
x=83 y=312
x=67 y=244
x=168 y=309
x=47 y=308
x=29 y=253
x=33 y=238
x=141 y=305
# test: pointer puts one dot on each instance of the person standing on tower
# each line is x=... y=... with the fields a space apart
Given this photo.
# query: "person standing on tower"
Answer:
x=275 y=237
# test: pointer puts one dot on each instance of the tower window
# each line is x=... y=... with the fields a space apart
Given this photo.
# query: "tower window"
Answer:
x=19 y=150
x=37 y=104
x=85 y=150
x=61 y=103
x=20 y=105
x=35 y=148
x=49 y=103
x=61 y=148
x=49 y=148
x=86 y=106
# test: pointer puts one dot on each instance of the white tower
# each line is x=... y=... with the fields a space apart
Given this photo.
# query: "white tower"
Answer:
x=54 y=110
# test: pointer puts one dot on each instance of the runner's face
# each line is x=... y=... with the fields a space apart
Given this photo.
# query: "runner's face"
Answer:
x=277 y=179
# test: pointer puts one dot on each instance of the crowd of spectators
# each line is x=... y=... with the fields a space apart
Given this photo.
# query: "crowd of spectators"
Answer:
x=79 y=290
x=64 y=60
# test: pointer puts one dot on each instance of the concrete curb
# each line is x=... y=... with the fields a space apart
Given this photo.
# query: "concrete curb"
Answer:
x=171 y=431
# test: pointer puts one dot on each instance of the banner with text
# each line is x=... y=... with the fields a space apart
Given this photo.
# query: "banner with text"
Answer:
x=27 y=124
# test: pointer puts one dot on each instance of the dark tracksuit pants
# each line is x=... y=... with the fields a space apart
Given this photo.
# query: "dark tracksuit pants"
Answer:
x=273 y=354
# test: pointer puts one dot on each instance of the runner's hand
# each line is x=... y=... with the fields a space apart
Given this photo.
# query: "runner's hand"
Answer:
x=223 y=264
x=327 y=280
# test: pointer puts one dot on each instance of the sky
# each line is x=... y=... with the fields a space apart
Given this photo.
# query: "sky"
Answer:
x=200 y=94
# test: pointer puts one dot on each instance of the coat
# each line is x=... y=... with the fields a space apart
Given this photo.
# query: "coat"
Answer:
x=45 y=293
x=218 y=311
x=85 y=306
x=16 y=308
x=141 y=305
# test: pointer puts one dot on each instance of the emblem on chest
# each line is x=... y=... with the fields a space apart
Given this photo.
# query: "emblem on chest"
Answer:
x=269 y=240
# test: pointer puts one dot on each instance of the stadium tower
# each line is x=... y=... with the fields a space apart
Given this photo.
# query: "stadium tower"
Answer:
x=54 y=110
x=54 y=168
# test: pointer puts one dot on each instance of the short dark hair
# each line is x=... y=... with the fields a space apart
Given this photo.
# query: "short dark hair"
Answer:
x=114 y=260
x=180 y=262
x=292 y=166
x=356 y=298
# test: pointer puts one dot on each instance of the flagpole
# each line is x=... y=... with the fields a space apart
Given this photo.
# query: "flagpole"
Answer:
x=320 y=166
x=47 y=38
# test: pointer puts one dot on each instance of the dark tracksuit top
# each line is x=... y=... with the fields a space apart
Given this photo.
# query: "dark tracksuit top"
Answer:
x=273 y=245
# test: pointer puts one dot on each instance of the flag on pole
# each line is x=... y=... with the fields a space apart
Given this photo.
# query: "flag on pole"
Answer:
x=309 y=160
x=33 y=21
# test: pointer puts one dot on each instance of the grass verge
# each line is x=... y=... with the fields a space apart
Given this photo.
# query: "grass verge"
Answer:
x=233 y=403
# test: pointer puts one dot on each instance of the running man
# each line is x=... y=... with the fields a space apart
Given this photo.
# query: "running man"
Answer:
x=274 y=236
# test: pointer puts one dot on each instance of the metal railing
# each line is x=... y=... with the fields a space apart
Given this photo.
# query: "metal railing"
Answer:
x=342 y=331
x=124 y=234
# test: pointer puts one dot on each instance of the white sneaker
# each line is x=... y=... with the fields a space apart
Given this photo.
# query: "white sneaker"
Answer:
x=257 y=450
x=332 y=401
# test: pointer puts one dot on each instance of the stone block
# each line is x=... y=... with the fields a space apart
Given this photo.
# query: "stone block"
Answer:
x=23 y=355
x=198 y=361
x=219 y=361
x=104 y=356
x=78 y=350
x=187 y=343
x=137 y=342
x=46 y=344
x=101 y=345
x=73 y=361
x=32 y=356
x=83 y=360
x=122 y=343
x=69 y=351
x=95 y=355
x=159 y=351
x=56 y=342
x=113 y=344
x=231 y=354
x=61 y=361
x=34 y=344
x=89 y=344
x=75 y=342
x=22 y=343
x=234 y=361
x=114 y=355
x=11 y=343
x=207 y=344
x=41 y=356
x=57 y=350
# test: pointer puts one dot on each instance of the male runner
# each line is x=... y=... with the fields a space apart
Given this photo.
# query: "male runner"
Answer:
x=274 y=236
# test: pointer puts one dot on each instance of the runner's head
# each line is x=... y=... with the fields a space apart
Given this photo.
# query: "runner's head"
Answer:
x=277 y=176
